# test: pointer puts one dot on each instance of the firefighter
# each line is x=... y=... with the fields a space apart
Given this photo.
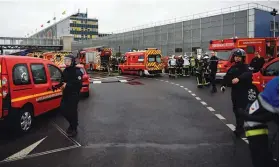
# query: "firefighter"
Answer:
x=71 y=85
x=192 y=64
x=264 y=109
x=257 y=62
x=186 y=67
x=172 y=66
x=179 y=64
x=213 y=70
x=239 y=77
x=202 y=72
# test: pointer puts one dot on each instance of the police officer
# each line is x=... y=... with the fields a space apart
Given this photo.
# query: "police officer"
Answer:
x=239 y=77
x=213 y=70
x=264 y=109
x=71 y=86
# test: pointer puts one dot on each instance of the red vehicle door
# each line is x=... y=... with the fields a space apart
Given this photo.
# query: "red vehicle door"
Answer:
x=42 y=88
x=269 y=72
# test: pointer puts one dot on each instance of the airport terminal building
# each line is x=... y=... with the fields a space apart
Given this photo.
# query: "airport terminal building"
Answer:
x=189 y=33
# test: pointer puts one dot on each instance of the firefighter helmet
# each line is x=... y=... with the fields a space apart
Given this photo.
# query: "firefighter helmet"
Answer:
x=238 y=53
x=71 y=58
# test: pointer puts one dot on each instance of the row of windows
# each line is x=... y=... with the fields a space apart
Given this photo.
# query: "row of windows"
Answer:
x=85 y=36
x=272 y=26
x=83 y=20
x=84 y=25
x=84 y=29
x=21 y=75
x=84 y=32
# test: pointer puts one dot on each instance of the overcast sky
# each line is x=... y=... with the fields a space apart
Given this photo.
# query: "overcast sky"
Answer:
x=20 y=17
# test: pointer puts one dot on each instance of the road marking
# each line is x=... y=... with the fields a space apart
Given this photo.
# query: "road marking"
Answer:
x=193 y=94
x=162 y=80
x=166 y=81
x=246 y=140
x=26 y=150
x=96 y=82
x=232 y=127
x=123 y=81
x=172 y=83
x=182 y=86
x=64 y=134
x=190 y=91
x=220 y=116
x=198 y=98
x=210 y=109
x=203 y=103
x=186 y=89
x=177 y=84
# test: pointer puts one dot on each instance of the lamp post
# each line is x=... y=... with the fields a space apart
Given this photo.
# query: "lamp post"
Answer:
x=274 y=13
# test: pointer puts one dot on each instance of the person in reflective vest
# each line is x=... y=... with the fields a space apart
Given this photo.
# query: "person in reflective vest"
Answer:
x=172 y=66
x=186 y=66
x=192 y=64
x=264 y=109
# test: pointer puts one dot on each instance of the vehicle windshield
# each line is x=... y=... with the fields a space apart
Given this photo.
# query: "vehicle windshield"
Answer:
x=154 y=58
x=223 y=55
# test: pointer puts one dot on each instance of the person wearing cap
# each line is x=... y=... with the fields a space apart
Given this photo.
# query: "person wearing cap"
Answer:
x=171 y=66
x=264 y=109
x=71 y=85
x=239 y=78
x=257 y=62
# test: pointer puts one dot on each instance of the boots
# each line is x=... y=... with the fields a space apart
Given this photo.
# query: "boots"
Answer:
x=71 y=132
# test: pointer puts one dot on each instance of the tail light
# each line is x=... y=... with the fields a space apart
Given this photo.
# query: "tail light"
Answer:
x=5 y=86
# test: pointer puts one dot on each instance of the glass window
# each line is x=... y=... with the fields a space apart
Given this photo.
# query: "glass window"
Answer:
x=55 y=73
x=272 y=69
x=223 y=55
x=250 y=49
x=140 y=58
x=21 y=75
x=38 y=73
x=154 y=58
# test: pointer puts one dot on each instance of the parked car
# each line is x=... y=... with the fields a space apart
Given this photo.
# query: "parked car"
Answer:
x=261 y=78
x=26 y=90
x=86 y=80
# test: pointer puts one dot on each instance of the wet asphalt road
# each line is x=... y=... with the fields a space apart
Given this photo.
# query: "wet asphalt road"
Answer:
x=150 y=122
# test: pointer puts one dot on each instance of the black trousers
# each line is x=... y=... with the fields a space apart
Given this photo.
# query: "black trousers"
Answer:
x=260 y=152
x=69 y=109
x=239 y=100
x=213 y=80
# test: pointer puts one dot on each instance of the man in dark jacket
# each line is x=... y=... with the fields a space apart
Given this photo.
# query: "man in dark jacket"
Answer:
x=71 y=86
x=257 y=62
x=239 y=78
x=213 y=70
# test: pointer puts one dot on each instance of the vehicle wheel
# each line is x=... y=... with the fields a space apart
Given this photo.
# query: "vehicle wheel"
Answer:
x=25 y=120
x=252 y=93
x=141 y=73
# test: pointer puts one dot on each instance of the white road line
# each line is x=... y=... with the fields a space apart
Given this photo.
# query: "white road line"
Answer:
x=162 y=80
x=123 y=80
x=246 y=140
x=96 y=79
x=172 y=83
x=210 y=109
x=64 y=134
x=166 y=81
x=190 y=91
x=232 y=127
x=193 y=94
x=198 y=98
x=186 y=89
x=26 y=150
x=181 y=86
x=220 y=116
x=96 y=82
x=203 y=103
x=177 y=84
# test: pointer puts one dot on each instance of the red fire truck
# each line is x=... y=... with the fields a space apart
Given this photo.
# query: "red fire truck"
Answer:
x=95 y=58
x=267 y=47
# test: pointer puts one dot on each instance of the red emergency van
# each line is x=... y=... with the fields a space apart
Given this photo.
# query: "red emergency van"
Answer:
x=267 y=47
x=145 y=62
x=26 y=89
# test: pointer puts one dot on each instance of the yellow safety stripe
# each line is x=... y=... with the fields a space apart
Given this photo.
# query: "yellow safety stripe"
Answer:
x=34 y=96
x=154 y=65
x=256 y=132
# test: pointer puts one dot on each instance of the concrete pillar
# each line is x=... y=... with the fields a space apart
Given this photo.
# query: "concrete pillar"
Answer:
x=67 y=43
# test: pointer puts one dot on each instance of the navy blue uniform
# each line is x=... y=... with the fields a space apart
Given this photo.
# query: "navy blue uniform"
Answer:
x=213 y=70
x=239 y=91
x=72 y=76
